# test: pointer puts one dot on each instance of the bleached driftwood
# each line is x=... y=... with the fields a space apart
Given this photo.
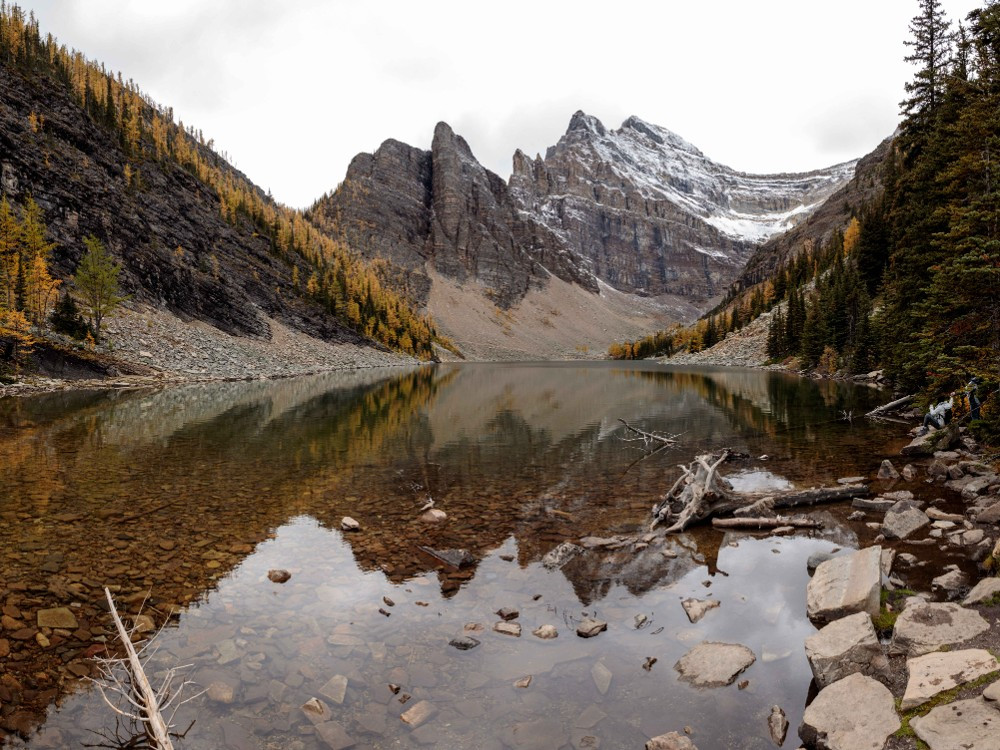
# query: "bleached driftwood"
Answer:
x=138 y=701
x=891 y=406
x=700 y=493
x=757 y=522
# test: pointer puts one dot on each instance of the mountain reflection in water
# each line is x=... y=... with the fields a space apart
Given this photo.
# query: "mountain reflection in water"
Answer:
x=193 y=493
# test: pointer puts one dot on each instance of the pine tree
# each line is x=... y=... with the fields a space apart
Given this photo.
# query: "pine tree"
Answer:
x=931 y=46
x=97 y=281
x=66 y=318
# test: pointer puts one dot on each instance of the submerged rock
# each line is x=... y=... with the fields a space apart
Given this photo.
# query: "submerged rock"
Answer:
x=698 y=608
x=777 y=725
x=711 y=664
x=670 y=741
x=887 y=470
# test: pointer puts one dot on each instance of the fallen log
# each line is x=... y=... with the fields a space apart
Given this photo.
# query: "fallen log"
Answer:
x=891 y=406
x=700 y=493
x=765 y=523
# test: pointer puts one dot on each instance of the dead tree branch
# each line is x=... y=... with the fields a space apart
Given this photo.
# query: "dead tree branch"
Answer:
x=880 y=411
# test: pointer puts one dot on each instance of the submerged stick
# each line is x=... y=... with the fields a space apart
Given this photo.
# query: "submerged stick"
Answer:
x=146 y=695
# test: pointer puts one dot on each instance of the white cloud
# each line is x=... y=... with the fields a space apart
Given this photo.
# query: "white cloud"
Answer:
x=294 y=90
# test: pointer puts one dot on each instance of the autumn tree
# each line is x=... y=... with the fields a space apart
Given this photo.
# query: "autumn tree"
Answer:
x=97 y=281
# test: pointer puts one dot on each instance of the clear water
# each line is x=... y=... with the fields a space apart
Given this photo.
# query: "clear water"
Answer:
x=192 y=494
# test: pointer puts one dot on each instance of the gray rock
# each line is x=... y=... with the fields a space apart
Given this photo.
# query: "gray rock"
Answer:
x=937 y=468
x=992 y=693
x=950 y=583
x=909 y=472
x=819 y=557
x=508 y=613
x=698 y=608
x=961 y=725
x=982 y=591
x=855 y=713
x=978 y=486
x=508 y=628
x=335 y=689
x=464 y=642
x=589 y=628
x=333 y=736
x=927 y=626
x=879 y=504
x=887 y=470
x=349 y=524
x=670 y=741
x=777 y=725
x=712 y=664
x=844 y=647
x=419 y=713
x=939 y=671
x=989 y=515
x=845 y=585
x=558 y=557
x=903 y=519
x=545 y=632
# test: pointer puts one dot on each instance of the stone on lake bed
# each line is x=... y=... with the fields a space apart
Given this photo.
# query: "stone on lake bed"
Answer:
x=711 y=664
x=670 y=741
x=887 y=470
x=433 y=515
x=419 y=713
x=539 y=734
x=349 y=524
x=855 y=713
x=316 y=711
x=960 y=725
x=845 y=585
x=843 y=647
x=278 y=576
x=523 y=682
x=590 y=627
x=545 y=632
x=602 y=677
x=335 y=689
x=698 y=608
x=939 y=671
x=927 y=626
x=220 y=692
x=508 y=628
x=57 y=617
x=464 y=643
x=334 y=736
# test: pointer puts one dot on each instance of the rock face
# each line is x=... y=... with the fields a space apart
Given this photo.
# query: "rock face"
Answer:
x=939 y=671
x=714 y=664
x=856 y=713
x=637 y=208
x=844 y=647
x=176 y=250
x=960 y=725
x=926 y=626
x=845 y=585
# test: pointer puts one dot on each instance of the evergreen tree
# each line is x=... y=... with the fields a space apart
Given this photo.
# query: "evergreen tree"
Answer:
x=66 y=318
x=97 y=281
x=931 y=52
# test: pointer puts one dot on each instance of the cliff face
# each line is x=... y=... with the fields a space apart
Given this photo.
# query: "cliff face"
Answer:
x=637 y=209
x=442 y=210
x=833 y=214
x=165 y=228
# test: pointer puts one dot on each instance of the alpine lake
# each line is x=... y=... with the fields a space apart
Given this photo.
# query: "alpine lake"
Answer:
x=182 y=500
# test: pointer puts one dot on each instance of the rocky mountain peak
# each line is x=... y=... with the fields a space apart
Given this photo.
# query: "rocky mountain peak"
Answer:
x=659 y=135
x=581 y=121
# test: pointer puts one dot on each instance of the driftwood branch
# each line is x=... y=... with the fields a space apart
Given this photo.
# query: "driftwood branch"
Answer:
x=700 y=493
x=651 y=437
x=891 y=406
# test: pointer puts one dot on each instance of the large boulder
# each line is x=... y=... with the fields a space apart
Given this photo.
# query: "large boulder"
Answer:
x=927 y=626
x=844 y=647
x=903 y=519
x=983 y=591
x=714 y=664
x=960 y=726
x=939 y=671
x=845 y=585
x=855 y=713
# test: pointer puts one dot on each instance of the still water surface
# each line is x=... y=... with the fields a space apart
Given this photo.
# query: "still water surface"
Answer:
x=194 y=493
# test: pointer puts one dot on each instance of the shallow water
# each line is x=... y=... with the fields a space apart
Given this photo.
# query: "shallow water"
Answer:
x=192 y=494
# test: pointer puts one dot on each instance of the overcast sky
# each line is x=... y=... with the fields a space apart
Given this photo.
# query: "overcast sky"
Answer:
x=293 y=89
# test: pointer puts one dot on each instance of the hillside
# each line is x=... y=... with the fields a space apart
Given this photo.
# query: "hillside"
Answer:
x=196 y=239
x=636 y=223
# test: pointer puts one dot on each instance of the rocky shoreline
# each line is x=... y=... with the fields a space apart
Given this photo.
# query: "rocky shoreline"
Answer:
x=146 y=347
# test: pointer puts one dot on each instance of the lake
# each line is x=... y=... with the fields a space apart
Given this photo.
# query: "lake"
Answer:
x=190 y=495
